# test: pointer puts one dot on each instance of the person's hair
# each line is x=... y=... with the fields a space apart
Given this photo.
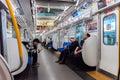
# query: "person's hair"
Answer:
x=88 y=34
x=36 y=40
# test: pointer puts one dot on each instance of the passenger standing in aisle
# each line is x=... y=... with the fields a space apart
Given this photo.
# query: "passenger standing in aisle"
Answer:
x=35 y=51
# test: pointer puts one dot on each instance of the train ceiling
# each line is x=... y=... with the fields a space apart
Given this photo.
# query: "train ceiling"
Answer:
x=51 y=9
x=23 y=8
x=46 y=9
x=59 y=0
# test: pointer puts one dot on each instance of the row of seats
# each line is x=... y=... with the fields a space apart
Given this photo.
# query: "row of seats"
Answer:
x=72 y=59
x=89 y=56
x=64 y=44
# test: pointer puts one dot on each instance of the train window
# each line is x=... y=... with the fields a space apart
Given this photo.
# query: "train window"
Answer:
x=109 y=29
x=80 y=30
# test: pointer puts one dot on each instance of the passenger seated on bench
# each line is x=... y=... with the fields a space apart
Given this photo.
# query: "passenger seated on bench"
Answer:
x=44 y=43
x=79 y=48
x=36 y=49
x=77 y=56
x=67 y=50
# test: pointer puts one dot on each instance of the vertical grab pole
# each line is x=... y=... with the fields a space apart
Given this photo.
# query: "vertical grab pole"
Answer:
x=16 y=31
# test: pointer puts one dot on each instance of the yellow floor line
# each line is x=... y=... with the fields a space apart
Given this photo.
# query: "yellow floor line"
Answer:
x=98 y=76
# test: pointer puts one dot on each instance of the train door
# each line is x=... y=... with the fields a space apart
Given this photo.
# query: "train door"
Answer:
x=5 y=73
x=3 y=18
x=109 y=41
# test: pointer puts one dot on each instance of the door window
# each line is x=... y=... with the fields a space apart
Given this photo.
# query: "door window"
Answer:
x=109 y=29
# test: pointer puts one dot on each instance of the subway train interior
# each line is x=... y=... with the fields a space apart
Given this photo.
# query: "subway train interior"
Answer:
x=59 y=39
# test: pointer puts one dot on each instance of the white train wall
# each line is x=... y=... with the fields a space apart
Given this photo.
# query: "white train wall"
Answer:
x=106 y=57
x=109 y=49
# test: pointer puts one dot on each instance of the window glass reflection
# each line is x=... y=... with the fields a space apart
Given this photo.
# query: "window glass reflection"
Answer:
x=109 y=32
x=80 y=31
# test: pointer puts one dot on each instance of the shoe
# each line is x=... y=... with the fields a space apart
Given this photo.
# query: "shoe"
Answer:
x=35 y=64
x=61 y=62
x=57 y=61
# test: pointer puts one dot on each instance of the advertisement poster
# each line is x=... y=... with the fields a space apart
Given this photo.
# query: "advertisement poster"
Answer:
x=92 y=26
x=40 y=29
x=9 y=29
x=104 y=3
x=43 y=11
x=45 y=23
x=109 y=32
x=108 y=2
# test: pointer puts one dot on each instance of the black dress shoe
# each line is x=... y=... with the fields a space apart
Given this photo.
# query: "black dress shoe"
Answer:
x=61 y=62
x=57 y=61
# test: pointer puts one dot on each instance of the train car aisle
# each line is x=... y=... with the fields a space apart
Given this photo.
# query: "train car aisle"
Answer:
x=49 y=70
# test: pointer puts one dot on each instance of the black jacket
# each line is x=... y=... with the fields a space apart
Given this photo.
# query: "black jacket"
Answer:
x=81 y=44
x=73 y=46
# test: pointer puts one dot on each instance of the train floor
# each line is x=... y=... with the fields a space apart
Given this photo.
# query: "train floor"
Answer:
x=48 y=69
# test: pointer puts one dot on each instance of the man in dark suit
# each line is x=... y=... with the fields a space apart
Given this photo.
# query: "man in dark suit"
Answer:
x=67 y=50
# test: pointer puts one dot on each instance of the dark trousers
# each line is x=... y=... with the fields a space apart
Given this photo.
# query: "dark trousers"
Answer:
x=63 y=55
x=35 y=56
x=78 y=60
